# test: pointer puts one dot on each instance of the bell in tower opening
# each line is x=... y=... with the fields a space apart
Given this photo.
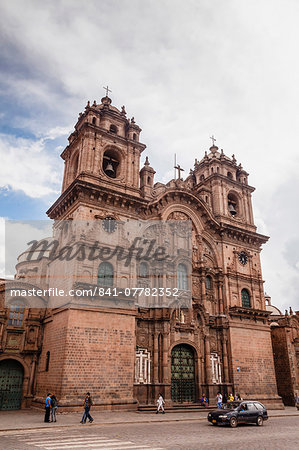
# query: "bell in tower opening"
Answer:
x=111 y=164
x=232 y=204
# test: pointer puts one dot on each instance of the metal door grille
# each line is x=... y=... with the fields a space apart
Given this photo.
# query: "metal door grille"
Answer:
x=182 y=374
x=11 y=384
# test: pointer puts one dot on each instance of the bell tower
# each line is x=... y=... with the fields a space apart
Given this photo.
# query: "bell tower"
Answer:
x=104 y=149
x=224 y=185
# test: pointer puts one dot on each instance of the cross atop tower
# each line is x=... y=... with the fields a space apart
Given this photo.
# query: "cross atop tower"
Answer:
x=213 y=140
x=179 y=169
x=107 y=90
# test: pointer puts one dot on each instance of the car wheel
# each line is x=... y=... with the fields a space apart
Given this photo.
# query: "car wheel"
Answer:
x=259 y=421
x=233 y=422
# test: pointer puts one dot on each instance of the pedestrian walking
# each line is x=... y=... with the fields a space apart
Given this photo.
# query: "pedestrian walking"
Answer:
x=87 y=405
x=54 y=405
x=48 y=408
x=219 y=400
x=160 y=404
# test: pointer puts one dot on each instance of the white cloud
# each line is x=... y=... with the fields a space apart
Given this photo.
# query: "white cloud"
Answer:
x=185 y=71
x=28 y=167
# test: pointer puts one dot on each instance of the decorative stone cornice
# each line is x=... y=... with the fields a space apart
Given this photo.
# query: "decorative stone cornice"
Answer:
x=242 y=313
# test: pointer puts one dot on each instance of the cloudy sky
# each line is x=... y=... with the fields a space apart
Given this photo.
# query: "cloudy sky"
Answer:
x=184 y=70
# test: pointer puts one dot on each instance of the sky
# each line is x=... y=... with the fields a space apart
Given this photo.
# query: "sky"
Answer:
x=185 y=70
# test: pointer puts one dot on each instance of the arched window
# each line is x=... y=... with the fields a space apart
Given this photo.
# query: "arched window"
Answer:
x=134 y=136
x=113 y=129
x=16 y=314
x=182 y=280
x=47 y=361
x=75 y=165
x=208 y=282
x=93 y=120
x=229 y=175
x=105 y=274
x=143 y=270
x=246 y=303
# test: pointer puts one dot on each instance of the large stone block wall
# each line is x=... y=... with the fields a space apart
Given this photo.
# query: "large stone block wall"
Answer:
x=90 y=351
x=252 y=363
x=282 y=365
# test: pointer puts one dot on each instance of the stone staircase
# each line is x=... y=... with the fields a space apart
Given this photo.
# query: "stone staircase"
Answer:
x=176 y=408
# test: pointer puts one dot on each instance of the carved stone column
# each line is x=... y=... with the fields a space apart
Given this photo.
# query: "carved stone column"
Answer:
x=165 y=354
x=32 y=375
x=207 y=360
x=156 y=358
x=220 y=297
x=225 y=360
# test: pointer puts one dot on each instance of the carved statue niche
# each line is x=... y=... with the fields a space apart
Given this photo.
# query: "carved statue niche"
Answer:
x=196 y=286
x=178 y=215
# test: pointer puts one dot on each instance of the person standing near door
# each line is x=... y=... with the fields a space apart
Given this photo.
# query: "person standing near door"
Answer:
x=48 y=408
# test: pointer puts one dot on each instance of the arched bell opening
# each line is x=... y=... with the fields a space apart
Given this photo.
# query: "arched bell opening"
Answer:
x=233 y=204
x=111 y=163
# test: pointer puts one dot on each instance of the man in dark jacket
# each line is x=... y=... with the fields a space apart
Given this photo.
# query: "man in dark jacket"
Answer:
x=87 y=405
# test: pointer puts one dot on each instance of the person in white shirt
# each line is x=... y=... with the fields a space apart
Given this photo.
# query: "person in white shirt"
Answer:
x=160 y=404
x=219 y=400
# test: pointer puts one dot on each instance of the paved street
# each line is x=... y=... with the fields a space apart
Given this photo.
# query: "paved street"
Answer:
x=277 y=433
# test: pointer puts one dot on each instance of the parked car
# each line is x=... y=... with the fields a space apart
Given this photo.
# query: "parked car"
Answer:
x=245 y=412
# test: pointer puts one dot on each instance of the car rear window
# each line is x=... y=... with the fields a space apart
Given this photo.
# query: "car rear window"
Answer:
x=251 y=407
x=259 y=406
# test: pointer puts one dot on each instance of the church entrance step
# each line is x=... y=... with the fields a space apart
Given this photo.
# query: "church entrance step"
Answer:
x=177 y=407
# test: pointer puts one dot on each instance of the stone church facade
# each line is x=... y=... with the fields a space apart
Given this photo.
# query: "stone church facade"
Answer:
x=126 y=355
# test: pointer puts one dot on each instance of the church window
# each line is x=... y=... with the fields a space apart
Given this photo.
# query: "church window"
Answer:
x=94 y=120
x=148 y=180
x=134 y=136
x=216 y=368
x=113 y=129
x=143 y=270
x=246 y=303
x=208 y=282
x=182 y=280
x=229 y=175
x=105 y=274
x=143 y=366
x=202 y=177
x=47 y=361
x=16 y=314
